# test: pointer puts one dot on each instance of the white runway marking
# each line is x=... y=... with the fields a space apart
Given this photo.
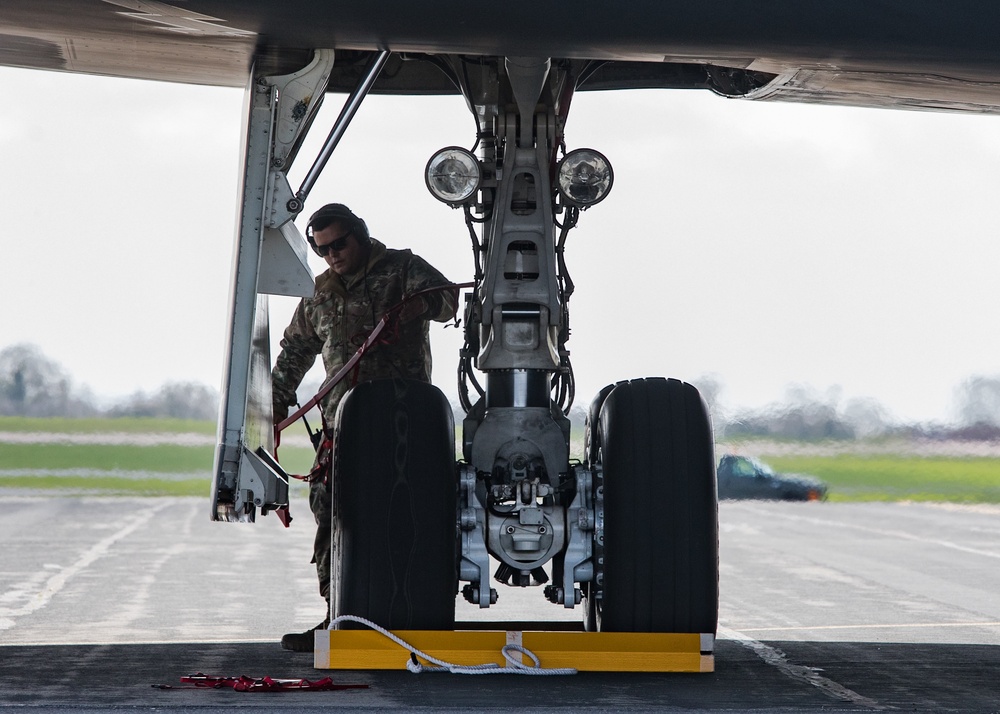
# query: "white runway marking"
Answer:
x=902 y=535
x=106 y=438
x=122 y=438
x=809 y=675
x=102 y=473
x=872 y=627
x=39 y=598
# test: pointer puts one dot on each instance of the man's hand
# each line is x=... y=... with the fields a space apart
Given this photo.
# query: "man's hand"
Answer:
x=414 y=309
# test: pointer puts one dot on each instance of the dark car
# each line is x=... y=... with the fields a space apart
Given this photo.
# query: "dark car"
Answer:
x=743 y=477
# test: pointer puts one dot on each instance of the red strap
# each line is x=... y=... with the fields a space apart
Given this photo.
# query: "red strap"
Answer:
x=389 y=318
x=372 y=339
x=244 y=683
x=284 y=515
x=322 y=464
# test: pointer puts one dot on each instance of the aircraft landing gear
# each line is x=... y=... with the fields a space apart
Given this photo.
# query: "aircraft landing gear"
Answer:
x=633 y=531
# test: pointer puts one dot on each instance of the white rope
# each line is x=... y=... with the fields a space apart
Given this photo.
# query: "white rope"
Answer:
x=515 y=666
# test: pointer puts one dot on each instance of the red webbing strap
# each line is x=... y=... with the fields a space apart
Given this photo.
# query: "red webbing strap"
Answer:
x=335 y=379
x=319 y=472
x=372 y=339
x=244 y=683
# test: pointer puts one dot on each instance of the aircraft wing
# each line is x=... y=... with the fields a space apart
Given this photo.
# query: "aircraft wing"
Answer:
x=899 y=53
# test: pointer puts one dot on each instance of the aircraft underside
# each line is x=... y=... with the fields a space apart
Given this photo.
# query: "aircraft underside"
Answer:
x=917 y=54
x=629 y=534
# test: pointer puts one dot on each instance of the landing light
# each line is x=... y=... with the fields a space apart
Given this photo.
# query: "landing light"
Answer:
x=453 y=175
x=584 y=177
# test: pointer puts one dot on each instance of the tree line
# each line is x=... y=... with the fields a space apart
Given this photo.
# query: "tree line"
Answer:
x=33 y=385
x=807 y=415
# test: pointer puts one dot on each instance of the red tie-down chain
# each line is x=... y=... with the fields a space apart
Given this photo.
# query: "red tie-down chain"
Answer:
x=389 y=320
x=244 y=683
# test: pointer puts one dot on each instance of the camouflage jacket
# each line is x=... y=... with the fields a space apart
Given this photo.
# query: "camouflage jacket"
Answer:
x=341 y=314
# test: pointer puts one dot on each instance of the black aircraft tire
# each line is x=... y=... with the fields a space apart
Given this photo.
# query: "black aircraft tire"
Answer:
x=591 y=453
x=591 y=444
x=661 y=545
x=394 y=558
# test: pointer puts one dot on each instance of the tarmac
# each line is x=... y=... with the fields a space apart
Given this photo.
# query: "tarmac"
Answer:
x=106 y=603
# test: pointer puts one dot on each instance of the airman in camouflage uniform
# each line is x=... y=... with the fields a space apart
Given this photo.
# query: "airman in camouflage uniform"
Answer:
x=365 y=279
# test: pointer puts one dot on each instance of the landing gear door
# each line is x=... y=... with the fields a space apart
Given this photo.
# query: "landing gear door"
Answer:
x=269 y=257
x=257 y=481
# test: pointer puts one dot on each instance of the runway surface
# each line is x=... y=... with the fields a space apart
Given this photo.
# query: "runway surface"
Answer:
x=843 y=607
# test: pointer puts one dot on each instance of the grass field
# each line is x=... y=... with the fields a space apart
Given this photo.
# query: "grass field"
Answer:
x=44 y=463
x=158 y=458
x=32 y=457
x=894 y=478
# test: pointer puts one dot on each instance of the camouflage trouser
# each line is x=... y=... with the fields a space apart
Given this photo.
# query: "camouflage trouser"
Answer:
x=321 y=505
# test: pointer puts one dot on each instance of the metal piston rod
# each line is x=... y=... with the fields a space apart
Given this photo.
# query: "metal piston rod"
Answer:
x=350 y=108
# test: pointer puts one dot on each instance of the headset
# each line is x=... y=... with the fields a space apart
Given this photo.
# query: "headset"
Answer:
x=337 y=213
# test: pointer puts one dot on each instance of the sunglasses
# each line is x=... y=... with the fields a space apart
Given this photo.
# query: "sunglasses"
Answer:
x=333 y=246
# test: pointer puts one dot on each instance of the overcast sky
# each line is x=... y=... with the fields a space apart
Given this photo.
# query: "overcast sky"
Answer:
x=765 y=245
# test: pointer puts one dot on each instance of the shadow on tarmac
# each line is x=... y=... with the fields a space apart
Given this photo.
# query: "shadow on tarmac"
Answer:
x=911 y=677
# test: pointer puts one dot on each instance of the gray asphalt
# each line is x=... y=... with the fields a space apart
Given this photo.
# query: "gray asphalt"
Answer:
x=843 y=607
